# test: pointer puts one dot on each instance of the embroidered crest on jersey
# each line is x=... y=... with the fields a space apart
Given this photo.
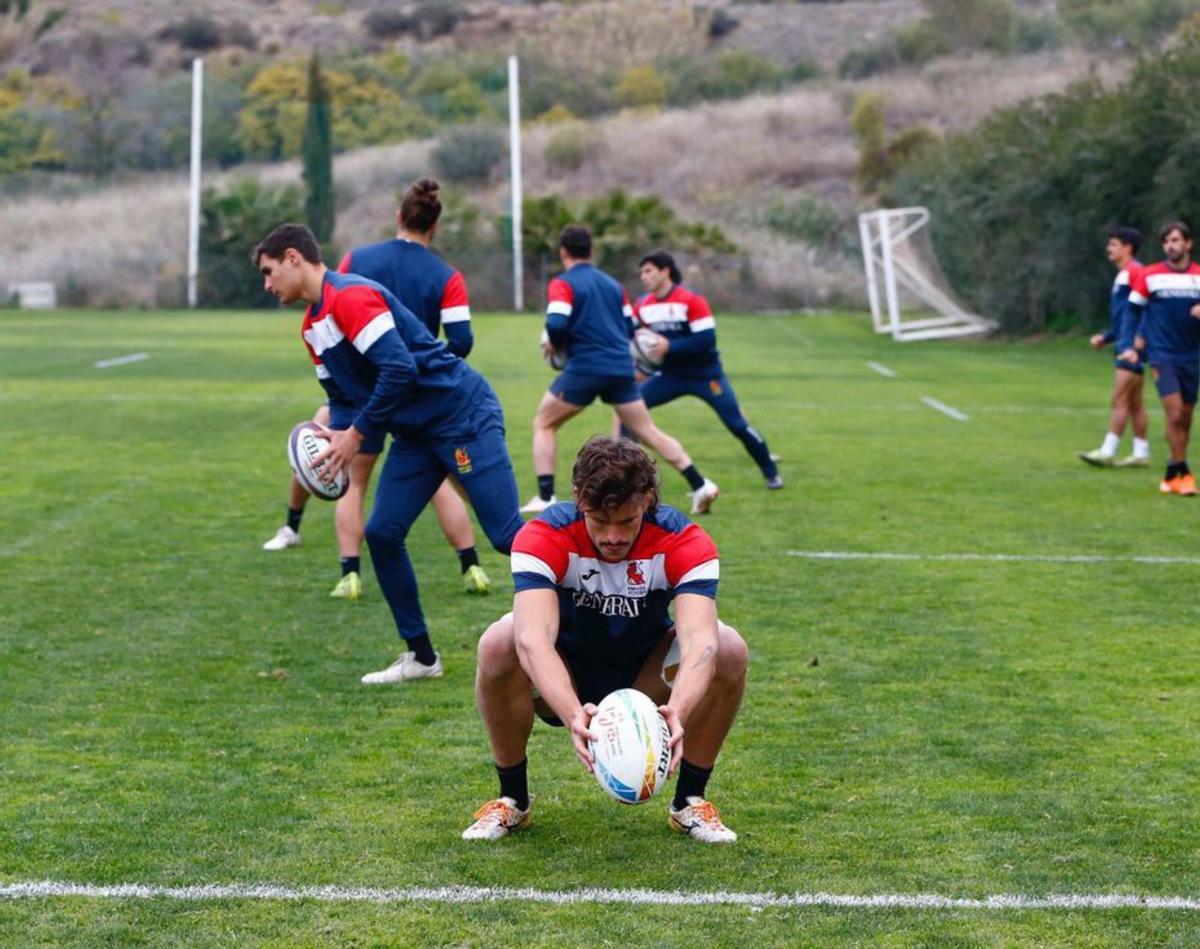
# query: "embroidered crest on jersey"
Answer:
x=635 y=580
x=463 y=460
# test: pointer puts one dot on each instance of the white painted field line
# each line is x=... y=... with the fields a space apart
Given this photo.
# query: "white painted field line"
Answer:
x=994 y=558
x=944 y=408
x=882 y=370
x=488 y=894
x=120 y=360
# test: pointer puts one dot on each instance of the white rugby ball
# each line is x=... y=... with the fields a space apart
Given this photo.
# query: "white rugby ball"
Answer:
x=630 y=751
x=639 y=349
x=305 y=443
x=555 y=358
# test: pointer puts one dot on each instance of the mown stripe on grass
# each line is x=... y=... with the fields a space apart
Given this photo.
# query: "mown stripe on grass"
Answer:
x=120 y=360
x=44 y=889
x=947 y=410
x=995 y=558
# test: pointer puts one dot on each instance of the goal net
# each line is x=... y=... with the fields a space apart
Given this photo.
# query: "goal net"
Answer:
x=909 y=295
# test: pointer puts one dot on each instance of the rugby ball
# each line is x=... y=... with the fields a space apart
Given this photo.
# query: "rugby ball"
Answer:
x=639 y=349
x=631 y=754
x=555 y=358
x=305 y=443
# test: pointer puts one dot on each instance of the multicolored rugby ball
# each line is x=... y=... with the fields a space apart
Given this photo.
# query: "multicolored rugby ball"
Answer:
x=639 y=349
x=305 y=443
x=631 y=752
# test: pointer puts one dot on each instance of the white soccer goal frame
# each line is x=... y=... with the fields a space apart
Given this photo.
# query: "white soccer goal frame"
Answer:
x=880 y=232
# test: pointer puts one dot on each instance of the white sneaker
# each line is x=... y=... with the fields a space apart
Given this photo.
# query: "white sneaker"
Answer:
x=701 y=821
x=495 y=819
x=284 y=538
x=536 y=505
x=703 y=496
x=404 y=668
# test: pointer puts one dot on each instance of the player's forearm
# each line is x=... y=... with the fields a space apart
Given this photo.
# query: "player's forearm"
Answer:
x=545 y=667
x=693 y=345
x=697 y=663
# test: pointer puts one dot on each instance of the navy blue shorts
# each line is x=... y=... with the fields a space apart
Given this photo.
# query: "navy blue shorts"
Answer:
x=1181 y=378
x=1139 y=367
x=594 y=680
x=581 y=388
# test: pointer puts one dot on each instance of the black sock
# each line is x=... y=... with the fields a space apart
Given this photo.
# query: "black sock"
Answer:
x=514 y=783
x=691 y=782
x=468 y=558
x=695 y=480
x=351 y=565
x=545 y=487
x=1172 y=471
x=423 y=649
x=1182 y=468
x=293 y=518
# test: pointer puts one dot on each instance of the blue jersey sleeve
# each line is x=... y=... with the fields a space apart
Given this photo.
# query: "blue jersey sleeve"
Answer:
x=459 y=338
x=395 y=385
x=694 y=344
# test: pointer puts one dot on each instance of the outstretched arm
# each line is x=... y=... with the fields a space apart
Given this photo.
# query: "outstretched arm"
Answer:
x=535 y=630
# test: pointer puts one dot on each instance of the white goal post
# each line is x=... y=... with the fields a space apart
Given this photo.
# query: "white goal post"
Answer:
x=909 y=296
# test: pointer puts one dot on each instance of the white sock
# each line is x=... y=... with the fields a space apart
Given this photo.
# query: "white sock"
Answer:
x=1141 y=448
x=1111 y=442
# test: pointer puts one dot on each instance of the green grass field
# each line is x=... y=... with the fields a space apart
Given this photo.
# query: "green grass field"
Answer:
x=178 y=707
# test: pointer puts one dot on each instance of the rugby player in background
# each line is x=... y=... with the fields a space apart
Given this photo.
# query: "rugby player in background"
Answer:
x=437 y=294
x=1126 y=405
x=589 y=319
x=386 y=374
x=1164 y=301
x=594 y=578
x=686 y=347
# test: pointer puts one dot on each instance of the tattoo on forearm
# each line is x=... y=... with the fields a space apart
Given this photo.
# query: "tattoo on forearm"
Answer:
x=704 y=657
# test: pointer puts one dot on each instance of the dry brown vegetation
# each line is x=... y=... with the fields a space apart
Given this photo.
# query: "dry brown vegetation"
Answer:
x=719 y=162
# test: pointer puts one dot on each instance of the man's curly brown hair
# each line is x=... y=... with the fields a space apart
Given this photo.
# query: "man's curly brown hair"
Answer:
x=611 y=472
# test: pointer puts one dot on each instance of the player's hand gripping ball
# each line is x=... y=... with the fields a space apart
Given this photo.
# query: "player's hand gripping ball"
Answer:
x=640 y=349
x=631 y=751
x=305 y=443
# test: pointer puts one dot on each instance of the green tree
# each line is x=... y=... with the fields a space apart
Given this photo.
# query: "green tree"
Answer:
x=319 y=201
x=623 y=228
x=365 y=112
x=1021 y=203
x=232 y=222
x=880 y=157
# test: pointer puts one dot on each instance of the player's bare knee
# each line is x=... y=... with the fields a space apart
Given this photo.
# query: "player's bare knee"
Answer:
x=497 y=651
x=733 y=656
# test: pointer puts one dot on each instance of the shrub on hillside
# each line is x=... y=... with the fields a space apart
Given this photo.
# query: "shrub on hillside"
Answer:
x=727 y=76
x=641 y=87
x=949 y=26
x=1020 y=204
x=862 y=62
x=568 y=146
x=197 y=31
x=469 y=154
x=1122 y=24
x=807 y=219
x=386 y=22
x=232 y=222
